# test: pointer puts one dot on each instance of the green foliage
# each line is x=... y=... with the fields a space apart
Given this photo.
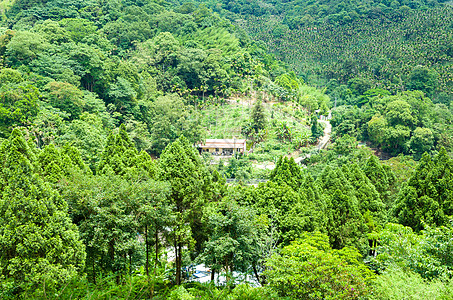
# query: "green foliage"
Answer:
x=232 y=240
x=168 y=119
x=407 y=123
x=119 y=153
x=183 y=170
x=426 y=199
x=396 y=284
x=423 y=79
x=346 y=226
x=287 y=172
x=421 y=141
x=316 y=129
x=39 y=242
x=290 y=211
x=425 y=254
x=73 y=71
x=310 y=269
x=66 y=97
x=374 y=44
x=258 y=116
x=368 y=197
x=18 y=105
x=24 y=47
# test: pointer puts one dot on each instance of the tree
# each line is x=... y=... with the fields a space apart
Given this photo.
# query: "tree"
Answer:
x=154 y=213
x=66 y=97
x=258 y=116
x=18 y=106
x=232 y=238
x=288 y=172
x=183 y=170
x=345 y=145
x=119 y=153
x=399 y=112
x=104 y=208
x=286 y=208
x=77 y=29
x=377 y=175
x=422 y=140
x=345 y=225
x=24 y=47
x=87 y=134
x=317 y=203
x=426 y=253
x=427 y=198
x=368 y=198
x=423 y=79
x=39 y=244
x=316 y=129
x=168 y=119
x=310 y=269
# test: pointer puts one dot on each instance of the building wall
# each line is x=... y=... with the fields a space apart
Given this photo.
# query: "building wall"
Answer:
x=212 y=150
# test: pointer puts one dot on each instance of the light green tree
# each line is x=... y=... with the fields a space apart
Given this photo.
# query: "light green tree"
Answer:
x=39 y=245
x=232 y=241
x=310 y=269
x=183 y=169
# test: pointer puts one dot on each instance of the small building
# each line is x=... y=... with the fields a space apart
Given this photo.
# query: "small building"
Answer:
x=223 y=146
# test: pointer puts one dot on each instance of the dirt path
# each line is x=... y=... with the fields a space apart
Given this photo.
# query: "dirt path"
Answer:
x=322 y=143
x=326 y=138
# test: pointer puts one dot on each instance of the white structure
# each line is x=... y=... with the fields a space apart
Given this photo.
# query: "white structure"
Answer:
x=223 y=146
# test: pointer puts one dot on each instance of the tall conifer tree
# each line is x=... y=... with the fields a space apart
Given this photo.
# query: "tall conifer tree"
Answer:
x=183 y=169
x=38 y=241
x=428 y=196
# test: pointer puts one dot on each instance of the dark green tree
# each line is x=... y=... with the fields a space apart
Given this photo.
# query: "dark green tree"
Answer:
x=18 y=106
x=289 y=210
x=316 y=128
x=232 y=238
x=258 y=116
x=377 y=175
x=423 y=79
x=310 y=269
x=105 y=209
x=346 y=226
x=427 y=197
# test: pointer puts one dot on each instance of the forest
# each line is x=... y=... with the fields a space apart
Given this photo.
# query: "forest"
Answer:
x=345 y=190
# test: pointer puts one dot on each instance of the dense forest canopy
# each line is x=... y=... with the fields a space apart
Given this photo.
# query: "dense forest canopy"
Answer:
x=379 y=42
x=104 y=194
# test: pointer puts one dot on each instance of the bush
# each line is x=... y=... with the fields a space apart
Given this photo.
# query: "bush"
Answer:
x=396 y=284
x=310 y=269
x=180 y=293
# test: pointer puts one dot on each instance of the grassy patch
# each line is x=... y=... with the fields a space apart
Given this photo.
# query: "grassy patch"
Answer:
x=226 y=121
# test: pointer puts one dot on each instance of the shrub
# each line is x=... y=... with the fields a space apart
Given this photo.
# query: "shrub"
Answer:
x=310 y=269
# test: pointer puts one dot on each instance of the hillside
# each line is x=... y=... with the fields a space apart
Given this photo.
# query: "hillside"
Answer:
x=110 y=189
x=331 y=43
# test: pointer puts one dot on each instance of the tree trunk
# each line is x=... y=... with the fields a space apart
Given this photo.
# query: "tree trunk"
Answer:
x=257 y=276
x=147 y=252
x=212 y=274
x=178 y=264
x=178 y=268
x=157 y=251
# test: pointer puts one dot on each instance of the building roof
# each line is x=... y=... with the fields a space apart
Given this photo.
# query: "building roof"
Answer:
x=223 y=143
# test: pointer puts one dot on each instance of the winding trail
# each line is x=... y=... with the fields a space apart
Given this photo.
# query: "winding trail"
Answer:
x=326 y=138
x=322 y=143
